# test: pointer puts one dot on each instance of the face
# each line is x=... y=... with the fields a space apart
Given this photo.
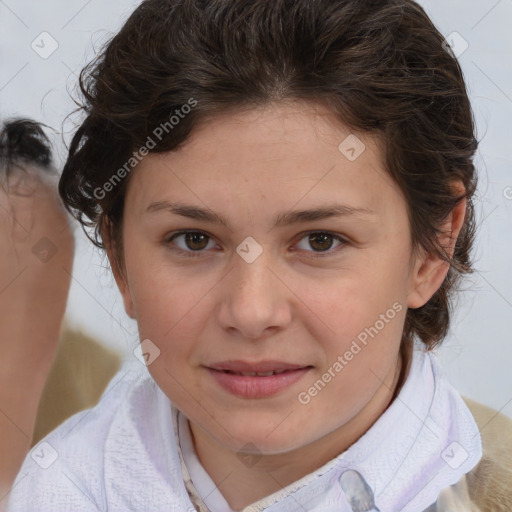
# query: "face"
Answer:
x=318 y=299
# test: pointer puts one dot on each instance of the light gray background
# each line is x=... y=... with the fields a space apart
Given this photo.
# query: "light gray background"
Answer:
x=478 y=352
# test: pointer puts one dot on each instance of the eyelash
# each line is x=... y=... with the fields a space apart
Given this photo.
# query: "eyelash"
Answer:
x=198 y=254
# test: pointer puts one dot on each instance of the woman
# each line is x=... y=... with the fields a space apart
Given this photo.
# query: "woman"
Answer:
x=284 y=191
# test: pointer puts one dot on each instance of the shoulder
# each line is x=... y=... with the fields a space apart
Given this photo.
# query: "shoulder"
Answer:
x=489 y=482
x=64 y=470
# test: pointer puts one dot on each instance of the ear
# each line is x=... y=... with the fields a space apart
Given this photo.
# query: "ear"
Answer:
x=429 y=270
x=119 y=273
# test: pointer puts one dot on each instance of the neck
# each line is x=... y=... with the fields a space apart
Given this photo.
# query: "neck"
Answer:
x=242 y=484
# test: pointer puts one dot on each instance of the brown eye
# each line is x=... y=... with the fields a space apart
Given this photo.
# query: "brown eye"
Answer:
x=321 y=241
x=192 y=245
x=196 y=241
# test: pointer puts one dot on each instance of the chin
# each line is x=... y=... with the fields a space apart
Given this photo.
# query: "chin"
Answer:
x=257 y=438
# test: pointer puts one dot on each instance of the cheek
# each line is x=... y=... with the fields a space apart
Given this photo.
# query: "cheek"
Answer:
x=170 y=313
x=357 y=360
x=355 y=302
x=164 y=296
x=365 y=317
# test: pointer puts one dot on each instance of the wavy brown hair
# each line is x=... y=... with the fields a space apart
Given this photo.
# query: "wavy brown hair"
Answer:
x=381 y=66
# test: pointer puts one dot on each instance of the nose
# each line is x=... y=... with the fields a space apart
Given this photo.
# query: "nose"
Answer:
x=255 y=302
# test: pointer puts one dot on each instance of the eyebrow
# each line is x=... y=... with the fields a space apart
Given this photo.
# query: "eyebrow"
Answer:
x=282 y=219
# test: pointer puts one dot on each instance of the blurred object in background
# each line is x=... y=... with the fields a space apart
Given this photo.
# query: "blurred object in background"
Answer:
x=80 y=373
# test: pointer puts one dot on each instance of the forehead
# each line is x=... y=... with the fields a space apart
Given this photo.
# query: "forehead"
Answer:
x=275 y=155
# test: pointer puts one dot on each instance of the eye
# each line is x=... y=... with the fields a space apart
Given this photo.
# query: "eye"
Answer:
x=194 y=242
x=322 y=241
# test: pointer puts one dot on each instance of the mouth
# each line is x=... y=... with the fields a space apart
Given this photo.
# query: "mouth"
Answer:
x=256 y=374
x=256 y=380
x=257 y=367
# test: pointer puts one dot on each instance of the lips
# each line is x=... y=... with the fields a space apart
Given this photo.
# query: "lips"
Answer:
x=260 y=367
x=256 y=374
x=256 y=380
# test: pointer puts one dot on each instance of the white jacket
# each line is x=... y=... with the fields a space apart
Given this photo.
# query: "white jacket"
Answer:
x=123 y=455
